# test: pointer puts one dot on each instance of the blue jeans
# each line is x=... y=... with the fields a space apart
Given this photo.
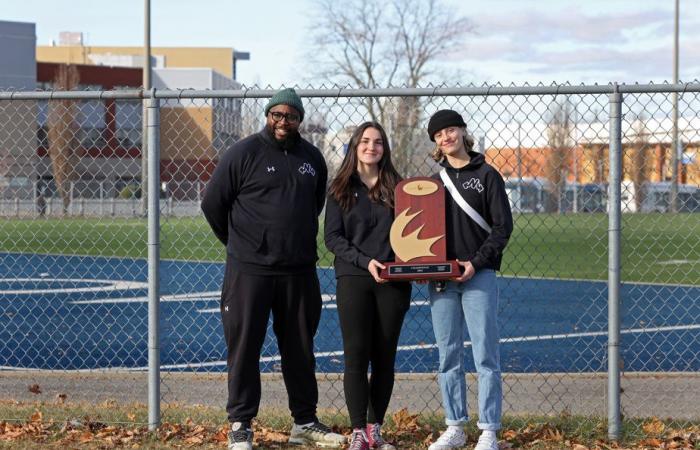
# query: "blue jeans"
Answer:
x=474 y=303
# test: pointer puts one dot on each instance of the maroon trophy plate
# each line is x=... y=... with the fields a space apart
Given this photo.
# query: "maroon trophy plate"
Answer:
x=417 y=235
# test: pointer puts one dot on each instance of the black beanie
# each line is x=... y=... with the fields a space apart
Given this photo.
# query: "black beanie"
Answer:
x=286 y=97
x=443 y=119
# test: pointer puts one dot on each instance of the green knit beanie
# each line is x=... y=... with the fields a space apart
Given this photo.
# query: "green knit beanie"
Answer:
x=286 y=97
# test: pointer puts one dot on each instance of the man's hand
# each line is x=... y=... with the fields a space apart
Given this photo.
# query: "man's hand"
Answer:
x=374 y=268
x=469 y=271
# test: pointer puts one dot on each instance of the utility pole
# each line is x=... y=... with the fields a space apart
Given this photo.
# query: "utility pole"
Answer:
x=575 y=157
x=675 y=148
x=144 y=109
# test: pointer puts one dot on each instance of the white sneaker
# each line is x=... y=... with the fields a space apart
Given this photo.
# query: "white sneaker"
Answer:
x=487 y=441
x=453 y=437
x=240 y=436
x=315 y=434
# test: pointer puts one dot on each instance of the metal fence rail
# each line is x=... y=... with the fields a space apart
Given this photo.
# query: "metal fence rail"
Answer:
x=600 y=287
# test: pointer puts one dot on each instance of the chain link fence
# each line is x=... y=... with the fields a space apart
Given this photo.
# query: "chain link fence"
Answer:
x=74 y=245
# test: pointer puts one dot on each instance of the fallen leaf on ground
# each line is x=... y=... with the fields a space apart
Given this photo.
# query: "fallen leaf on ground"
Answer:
x=654 y=427
x=85 y=436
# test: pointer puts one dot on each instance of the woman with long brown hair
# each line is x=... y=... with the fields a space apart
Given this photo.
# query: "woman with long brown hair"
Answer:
x=359 y=213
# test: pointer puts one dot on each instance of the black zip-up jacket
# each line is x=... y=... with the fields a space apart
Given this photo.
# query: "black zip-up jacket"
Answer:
x=483 y=188
x=357 y=236
x=263 y=202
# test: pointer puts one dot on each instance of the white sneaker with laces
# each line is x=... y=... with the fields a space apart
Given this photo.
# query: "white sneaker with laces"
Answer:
x=240 y=436
x=487 y=441
x=315 y=434
x=453 y=437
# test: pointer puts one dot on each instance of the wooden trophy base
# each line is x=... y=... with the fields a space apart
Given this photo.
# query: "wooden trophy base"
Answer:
x=420 y=271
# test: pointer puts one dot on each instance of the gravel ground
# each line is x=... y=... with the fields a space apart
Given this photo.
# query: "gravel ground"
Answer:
x=644 y=395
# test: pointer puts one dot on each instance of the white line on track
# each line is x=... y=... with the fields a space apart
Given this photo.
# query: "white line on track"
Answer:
x=326 y=298
x=404 y=348
x=207 y=296
x=594 y=281
x=104 y=285
x=190 y=297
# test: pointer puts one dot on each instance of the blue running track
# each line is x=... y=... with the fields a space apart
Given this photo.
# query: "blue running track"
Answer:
x=83 y=313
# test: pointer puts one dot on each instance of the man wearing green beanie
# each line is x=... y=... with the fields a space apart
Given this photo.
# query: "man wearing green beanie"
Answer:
x=262 y=203
x=287 y=97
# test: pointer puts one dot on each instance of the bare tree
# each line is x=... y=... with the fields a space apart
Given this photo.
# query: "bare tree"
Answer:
x=639 y=160
x=314 y=129
x=252 y=117
x=559 y=139
x=62 y=130
x=373 y=44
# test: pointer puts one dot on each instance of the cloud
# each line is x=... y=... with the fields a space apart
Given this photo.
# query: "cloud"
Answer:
x=568 y=25
x=624 y=45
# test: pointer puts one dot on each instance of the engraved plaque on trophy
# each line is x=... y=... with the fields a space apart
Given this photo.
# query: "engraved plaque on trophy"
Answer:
x=417 y=235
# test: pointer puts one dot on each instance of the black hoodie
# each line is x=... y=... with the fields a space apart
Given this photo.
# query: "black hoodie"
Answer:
x=483 y=188
x=263 y=202
x=359 y=235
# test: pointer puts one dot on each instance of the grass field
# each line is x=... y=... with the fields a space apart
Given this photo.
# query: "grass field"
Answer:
x=658 y=248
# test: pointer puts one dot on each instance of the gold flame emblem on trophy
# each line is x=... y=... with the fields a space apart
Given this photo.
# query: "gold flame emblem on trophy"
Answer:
x=410 y=246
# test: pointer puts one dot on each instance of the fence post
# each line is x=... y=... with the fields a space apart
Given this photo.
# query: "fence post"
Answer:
x=102 y=198
x=153 y=200
x=614 y=231
x=35 y=200
x=70 y=198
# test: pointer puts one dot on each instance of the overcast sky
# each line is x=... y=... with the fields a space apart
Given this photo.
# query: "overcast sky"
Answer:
x=513 y=42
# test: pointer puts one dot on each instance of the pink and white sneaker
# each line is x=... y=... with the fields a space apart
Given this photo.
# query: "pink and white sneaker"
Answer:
x=358 y=440
x=374 y=436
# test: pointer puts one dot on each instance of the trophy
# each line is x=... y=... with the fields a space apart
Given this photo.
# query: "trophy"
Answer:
x=417 y=235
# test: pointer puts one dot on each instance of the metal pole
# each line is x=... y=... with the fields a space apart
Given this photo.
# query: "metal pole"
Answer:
x=575 y=156
x=674 y=142
x=153 y=263
x=520 y=170
x=614 y=231
x=146 y=87
x=35 y=197
x=70 y=198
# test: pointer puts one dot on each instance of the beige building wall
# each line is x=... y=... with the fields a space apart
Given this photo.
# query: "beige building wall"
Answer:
x=187 y=133
x=217 y=58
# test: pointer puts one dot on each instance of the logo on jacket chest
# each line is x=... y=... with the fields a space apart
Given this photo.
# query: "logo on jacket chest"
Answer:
x=306 y=168
x=473 y=183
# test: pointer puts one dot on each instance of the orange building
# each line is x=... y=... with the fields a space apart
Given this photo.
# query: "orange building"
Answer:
x=586 y=158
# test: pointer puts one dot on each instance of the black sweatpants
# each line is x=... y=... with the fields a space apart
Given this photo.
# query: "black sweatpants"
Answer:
x=371 y=315
x=246 y=302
